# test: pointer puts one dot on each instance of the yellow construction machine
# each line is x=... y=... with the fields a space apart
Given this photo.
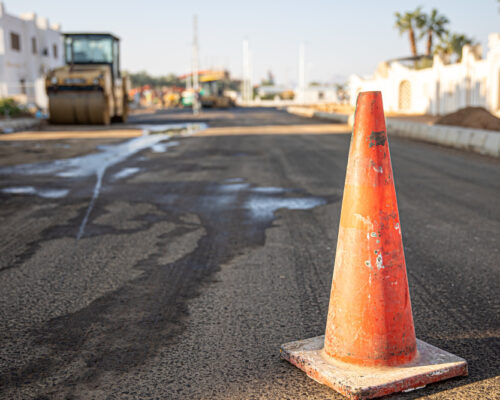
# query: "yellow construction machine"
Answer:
x=90 y=88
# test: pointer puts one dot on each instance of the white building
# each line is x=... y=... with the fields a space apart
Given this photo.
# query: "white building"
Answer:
x=317 y=95
x=441 y=89
x=29 y=48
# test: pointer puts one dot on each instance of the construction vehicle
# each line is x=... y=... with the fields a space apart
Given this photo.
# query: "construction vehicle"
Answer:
x=89 y=88
x=214 y=88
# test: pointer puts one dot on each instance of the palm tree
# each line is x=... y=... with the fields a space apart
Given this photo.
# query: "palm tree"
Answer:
x=432 y=24
x=408 y=22
x=453 y=44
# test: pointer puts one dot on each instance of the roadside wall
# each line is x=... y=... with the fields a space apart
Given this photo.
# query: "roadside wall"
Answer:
x=441 y=89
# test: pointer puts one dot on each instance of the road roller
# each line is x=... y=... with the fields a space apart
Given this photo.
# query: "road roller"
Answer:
x=89 y=88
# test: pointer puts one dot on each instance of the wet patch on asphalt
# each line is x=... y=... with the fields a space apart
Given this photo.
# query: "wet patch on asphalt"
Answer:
x=125 y=173
x=96 y=164
x=212 y=223
x=45 y=193
x=163 y=147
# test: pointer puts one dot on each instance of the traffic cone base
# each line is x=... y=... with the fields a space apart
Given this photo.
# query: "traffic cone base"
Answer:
x=360 y=382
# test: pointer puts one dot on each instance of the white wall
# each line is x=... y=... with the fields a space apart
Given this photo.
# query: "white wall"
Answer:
x=25 y=65
x=442 y=89
x=315 y=95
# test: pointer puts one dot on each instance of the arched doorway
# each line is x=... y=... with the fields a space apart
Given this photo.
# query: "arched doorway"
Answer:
x=404 y=101
x=498 y=94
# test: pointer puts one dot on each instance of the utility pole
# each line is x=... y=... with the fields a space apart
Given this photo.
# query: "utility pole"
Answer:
x=302 y=73
x=195 y=67
x=250 y=75
x=189 y=78
x=246 y=85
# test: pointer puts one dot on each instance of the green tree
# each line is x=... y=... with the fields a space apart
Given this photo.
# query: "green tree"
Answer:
x=431 y=25
x=453 y=44
x=341 y=89
x=269 y=81
x=408 y=23
x=143 y=78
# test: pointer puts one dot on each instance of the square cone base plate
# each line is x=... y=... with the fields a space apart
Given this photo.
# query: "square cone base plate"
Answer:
x=357 y=382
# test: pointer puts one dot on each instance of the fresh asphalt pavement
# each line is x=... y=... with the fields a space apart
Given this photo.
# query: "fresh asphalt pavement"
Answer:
x=177 y=270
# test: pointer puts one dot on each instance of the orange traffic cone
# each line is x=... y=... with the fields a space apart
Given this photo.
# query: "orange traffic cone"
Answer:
x=369 y=349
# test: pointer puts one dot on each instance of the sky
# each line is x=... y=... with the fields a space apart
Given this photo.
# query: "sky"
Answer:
x=341 y=37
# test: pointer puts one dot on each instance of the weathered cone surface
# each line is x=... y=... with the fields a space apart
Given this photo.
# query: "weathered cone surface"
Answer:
x=369 y=319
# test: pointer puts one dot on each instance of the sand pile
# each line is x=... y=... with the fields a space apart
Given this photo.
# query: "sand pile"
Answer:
x=471 y=117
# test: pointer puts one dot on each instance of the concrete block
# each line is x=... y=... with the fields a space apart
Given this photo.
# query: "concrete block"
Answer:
x=302 y=111
x=491 y=145
x=399 y=128
x=477 y=140
x=412 y=129
x=463 y=137
x=357 y=382
x=451 y=136
x=439 y=135
x=332 y=116
x=419 y=128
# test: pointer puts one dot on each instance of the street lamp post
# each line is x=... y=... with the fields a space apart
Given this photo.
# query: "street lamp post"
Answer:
x=195 y=67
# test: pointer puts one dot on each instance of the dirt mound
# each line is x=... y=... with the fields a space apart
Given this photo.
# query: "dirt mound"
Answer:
x=471 y=117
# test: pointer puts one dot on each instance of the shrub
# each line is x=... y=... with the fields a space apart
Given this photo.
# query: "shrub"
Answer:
x=10 y=108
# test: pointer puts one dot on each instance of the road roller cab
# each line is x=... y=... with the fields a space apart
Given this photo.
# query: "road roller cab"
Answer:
x=90 y=88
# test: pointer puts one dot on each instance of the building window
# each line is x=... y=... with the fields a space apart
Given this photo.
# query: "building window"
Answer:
x=54 y=50
x=33 y=45
x=22 y=85
x=45 y=51
x=15 y=41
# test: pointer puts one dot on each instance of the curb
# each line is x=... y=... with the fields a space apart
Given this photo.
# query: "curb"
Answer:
x=476 y=140
x=18 y=124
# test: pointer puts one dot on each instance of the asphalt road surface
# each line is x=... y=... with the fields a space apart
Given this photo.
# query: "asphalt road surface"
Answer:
x=175 y=268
